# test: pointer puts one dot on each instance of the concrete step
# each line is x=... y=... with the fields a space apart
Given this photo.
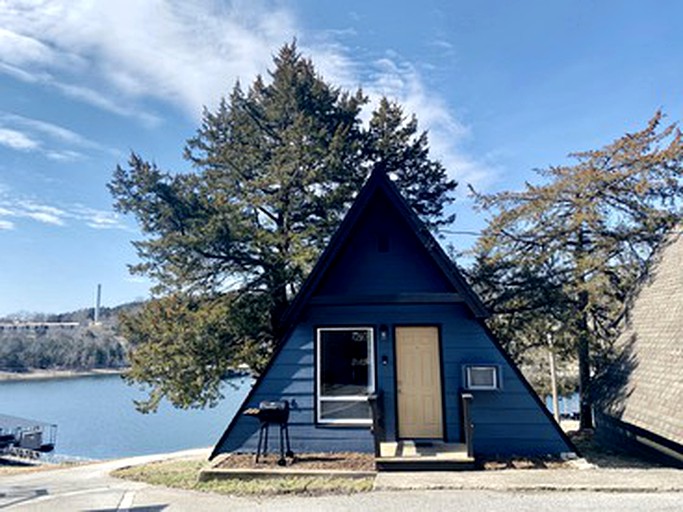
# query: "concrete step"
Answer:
x=411 y=455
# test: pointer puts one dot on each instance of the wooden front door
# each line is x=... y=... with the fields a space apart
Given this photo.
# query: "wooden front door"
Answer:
x=418 y=381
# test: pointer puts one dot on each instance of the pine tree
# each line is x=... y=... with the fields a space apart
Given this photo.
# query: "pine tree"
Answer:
x=575 y=245
x=396 y=147
x=275 y=169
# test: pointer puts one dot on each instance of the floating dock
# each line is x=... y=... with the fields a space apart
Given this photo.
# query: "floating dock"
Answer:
x=20 y=434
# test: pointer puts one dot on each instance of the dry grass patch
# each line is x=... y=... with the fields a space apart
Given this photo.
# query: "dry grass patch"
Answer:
x=183 y=474
x=10 y=467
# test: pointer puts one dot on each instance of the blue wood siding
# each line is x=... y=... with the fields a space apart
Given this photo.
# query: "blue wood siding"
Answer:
x=362 y=268
x=507 y=421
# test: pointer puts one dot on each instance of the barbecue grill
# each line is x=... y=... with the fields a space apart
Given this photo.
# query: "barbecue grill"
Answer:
x=272 y=413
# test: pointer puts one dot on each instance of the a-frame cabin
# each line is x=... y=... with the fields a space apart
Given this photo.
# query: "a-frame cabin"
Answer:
x=385 y=312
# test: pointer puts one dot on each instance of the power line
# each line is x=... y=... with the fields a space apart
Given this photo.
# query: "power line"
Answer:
x=479 y=233
x=453 y=232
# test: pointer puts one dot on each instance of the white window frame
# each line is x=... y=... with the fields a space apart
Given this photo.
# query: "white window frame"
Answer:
x=319 y=399
x=494 y=368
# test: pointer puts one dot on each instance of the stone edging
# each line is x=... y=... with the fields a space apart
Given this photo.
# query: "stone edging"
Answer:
x=225 y=474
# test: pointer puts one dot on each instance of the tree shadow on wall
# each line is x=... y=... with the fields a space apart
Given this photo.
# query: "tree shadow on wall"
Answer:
x=613 y=385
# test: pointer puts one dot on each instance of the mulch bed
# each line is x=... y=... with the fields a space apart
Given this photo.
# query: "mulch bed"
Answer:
x=330 y=461
x=593 y=452
x=363 y=462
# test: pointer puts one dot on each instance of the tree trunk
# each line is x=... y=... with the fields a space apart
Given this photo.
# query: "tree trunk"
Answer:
x=279 y=302
x=583 y=346
x=585 y=404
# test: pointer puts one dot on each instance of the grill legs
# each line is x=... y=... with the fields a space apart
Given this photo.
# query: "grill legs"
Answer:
x=259 y=450
x=284 y=427
x=262 y=447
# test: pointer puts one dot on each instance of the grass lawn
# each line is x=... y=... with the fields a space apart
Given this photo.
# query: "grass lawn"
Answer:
x=183 y=474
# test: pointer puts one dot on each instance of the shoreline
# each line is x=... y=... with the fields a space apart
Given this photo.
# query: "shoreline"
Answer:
x=56 y=374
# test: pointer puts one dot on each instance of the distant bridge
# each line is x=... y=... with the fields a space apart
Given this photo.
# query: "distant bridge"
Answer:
x=36 y=326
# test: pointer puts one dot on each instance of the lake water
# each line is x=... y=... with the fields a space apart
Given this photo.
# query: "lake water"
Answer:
x=567 y=405
x=96 y=418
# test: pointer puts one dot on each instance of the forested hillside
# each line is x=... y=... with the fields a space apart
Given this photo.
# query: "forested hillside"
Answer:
x=66 y=341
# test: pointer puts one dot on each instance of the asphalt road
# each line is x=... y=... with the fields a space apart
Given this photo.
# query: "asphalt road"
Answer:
x=90 y=488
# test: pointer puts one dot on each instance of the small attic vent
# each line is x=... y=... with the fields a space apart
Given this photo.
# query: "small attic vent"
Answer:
x=382 y=243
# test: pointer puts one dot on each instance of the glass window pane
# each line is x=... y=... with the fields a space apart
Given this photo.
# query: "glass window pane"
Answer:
x=344 y=362
x=344 y=410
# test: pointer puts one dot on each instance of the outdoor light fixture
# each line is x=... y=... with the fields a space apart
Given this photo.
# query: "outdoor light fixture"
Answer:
x=383 y=332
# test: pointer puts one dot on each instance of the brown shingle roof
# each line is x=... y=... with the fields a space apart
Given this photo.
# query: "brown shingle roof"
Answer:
x=649 y=376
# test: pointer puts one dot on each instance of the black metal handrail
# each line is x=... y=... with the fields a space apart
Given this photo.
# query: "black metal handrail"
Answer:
x=376 y=403
x=468 y=426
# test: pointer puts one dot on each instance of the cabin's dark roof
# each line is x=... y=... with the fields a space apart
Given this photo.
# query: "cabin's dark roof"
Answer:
x=380 y=182
x=645 y=386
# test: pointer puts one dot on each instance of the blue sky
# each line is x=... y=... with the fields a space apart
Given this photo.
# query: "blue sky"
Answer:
x=503 y=87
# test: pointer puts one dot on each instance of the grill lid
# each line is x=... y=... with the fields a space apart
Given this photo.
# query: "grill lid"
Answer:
x=274 y=405
x=276 y=411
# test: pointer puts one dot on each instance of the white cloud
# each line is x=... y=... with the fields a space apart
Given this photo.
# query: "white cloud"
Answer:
x=17 y=49
x=105 y=102
x=40 y=212
x=185 y=51
x=15 y=139
x=113 y=55
x=137 y=280
x=24 y=133
x=12 y=207
x=53 y=130
x=64 y=155
x=98 y=219
x=21 y=74
x=45 y=218
x=399 y=80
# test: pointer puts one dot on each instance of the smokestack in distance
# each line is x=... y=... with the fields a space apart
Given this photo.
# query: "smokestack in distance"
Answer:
x=96 y=318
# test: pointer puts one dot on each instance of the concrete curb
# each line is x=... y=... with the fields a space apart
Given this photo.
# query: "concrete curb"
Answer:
x=536 y=480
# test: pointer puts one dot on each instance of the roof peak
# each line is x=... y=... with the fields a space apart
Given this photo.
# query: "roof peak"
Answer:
x=378 y=180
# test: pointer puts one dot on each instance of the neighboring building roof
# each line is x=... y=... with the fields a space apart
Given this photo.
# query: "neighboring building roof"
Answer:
x=645 y=386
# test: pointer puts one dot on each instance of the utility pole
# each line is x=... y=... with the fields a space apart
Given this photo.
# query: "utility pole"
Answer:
x=553 y=377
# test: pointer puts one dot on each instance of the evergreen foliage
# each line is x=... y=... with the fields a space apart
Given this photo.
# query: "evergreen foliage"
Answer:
x=562 y=256
x=275 y=168
x=396 y=147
